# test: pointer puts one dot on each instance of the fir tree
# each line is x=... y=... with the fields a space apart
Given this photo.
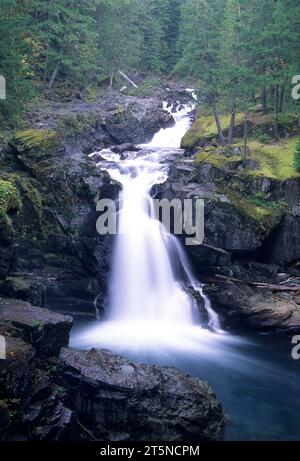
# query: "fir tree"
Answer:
x=66 y=33
x=15 y=64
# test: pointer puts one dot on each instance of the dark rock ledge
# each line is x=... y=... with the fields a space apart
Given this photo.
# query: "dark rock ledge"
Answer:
x=44 y=396
x=47 y=331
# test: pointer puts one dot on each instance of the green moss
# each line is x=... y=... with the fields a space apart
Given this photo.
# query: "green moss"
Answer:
x=205 y=129
x=36 y=139
x=18 y=283
x=9 y=200
x=39 y=325
x=260 y=200
x=9 y=196
x=214 y=156
x=276 y=160
x=149 y=87
x=74 y=124
x=31 y=214
x=265 y=214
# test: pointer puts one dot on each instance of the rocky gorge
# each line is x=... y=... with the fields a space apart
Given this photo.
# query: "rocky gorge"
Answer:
x=53 y=258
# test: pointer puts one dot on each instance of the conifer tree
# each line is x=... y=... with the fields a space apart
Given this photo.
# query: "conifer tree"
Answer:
x=199 y=45
x=14 y=57
x=119 y=39
x=66 y=34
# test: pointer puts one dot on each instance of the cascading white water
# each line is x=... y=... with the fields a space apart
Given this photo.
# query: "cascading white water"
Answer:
x=150 y=297
x=172 y=136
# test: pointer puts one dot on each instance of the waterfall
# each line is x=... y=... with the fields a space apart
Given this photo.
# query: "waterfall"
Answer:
x=144 y=284
x=152 y=285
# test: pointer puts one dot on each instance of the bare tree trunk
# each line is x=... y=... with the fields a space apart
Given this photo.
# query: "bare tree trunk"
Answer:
x=111 y=80
x=276 y=114
x=281 y=99
x=45 y=66
x=217 y=120
x=127 y=79
x=48 y=40
x=245 y=148
x=264 y=101
x=100 y=14
x=53 y=76
x=232 y=118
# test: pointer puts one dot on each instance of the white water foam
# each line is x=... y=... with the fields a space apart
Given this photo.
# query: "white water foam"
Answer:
x=149 y=304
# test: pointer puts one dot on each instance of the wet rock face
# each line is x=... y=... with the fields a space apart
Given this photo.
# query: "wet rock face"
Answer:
x=47 y=331
x=255 y=309
x=137 y=121
x=284 y=244
x=235 y=220
x=122 y=400
x=30 y=406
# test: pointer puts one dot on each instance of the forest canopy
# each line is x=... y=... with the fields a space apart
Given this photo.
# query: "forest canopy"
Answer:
x=229 y=49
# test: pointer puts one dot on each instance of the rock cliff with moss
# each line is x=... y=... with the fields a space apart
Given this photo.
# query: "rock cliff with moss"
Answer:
x=252 y=218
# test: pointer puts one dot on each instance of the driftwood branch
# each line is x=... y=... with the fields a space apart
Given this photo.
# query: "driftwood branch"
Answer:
x=266 y=286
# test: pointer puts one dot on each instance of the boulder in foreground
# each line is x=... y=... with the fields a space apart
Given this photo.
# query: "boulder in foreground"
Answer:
x=47 y=331
x=121 y=400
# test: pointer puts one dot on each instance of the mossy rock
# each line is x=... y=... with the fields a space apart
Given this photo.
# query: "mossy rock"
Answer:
x=31 y=206
x=75 y=124
x=275 y=161
x=9 y=201
x=204 y=129
x=266 y=214
x=36 y=140
x=9 y=196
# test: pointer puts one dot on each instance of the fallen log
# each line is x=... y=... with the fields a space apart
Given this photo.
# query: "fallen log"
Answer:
x=216 y=249
x=262 y=285
x=279 y=288
x=127 y=79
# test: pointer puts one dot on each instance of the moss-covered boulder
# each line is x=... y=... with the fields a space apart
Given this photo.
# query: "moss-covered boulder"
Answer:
x=37 y=140
x=9 y=202
x=265 y=160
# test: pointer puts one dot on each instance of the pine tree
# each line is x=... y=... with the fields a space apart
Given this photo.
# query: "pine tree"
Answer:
x=151 y=36
x=14 y=58
x=230 y=57
x=170 y=22
x=66 y=33
x=199 y=45
x=119 y=39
